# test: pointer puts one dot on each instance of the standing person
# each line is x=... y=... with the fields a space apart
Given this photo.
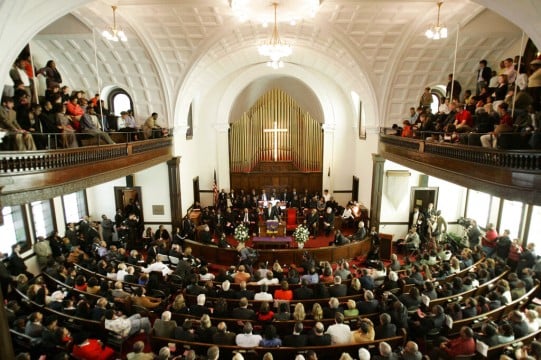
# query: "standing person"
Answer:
x=534 y=83
x=441 y=226
x=16 y=262
x=456 y=87
x=5 y=276
x=43 y=251
x=426 y=98
x=484 y=74
x=51 y=73
x=107 y=229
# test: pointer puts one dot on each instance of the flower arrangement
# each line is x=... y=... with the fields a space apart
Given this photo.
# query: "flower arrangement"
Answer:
x=241 y=233
x=301 y=234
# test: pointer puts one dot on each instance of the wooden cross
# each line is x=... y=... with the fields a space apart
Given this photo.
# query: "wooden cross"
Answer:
x=275 y=130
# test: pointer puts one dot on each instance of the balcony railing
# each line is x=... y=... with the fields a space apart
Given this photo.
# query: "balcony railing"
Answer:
x=16 y=162
x=519 y=160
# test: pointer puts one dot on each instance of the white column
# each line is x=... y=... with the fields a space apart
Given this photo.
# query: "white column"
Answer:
x=328 y=156
x=222 y=156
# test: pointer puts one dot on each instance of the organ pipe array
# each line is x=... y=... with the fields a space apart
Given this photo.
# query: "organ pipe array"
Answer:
x=275 y=128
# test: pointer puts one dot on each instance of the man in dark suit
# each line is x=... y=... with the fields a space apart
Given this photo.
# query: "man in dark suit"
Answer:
x=204 y=235
x=244 y=293
x=297 y=339
x=386 y=329
x=332 y=308
x=328 y=221
x=303 y=292
x=185 y=332
x=338 y=289
x=271 y=212
x=318 y=337
x=165 y=327
x=367 y=282
x=483 y=76
x=369 y=305
x=222 y=336
x=312 y=222
x=285 y=197
x=242 y=312
x=416 y=218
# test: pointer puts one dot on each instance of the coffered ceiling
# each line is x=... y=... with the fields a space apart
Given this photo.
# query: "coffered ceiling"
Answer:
x=184 y=48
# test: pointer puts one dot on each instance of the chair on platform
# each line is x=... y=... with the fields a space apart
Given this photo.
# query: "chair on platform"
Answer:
x=291 y=223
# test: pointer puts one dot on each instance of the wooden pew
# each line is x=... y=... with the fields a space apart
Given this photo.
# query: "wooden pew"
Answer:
x=127 y=286
x=254 y=304
x=464 y=295
x=495 y=315
x=331 y=352
x=55 y=284
x=282 y=326
x=494 y=352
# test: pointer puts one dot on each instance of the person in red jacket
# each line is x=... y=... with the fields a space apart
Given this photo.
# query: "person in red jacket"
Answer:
x=90 y=349
x=284 y=293
x=75 y=112
x=462 y=345
x=489 y=240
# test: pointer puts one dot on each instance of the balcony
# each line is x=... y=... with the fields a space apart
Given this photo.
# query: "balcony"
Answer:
x=37 y=175
x=511 y=174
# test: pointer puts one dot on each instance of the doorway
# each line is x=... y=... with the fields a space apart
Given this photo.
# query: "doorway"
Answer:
x=422 y=196
x=129 y=200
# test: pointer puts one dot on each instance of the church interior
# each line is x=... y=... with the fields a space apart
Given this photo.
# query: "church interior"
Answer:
x=321 y=115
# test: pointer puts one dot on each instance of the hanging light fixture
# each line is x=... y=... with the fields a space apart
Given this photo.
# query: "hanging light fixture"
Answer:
x=275 y=48
x=437 y=31
x=114 y=33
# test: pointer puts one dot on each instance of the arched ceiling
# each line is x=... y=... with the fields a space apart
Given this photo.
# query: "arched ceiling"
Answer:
x=299 y=91
x=175 y=45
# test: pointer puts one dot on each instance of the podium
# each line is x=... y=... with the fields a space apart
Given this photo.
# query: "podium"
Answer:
x=272 y=228
x=385 y=246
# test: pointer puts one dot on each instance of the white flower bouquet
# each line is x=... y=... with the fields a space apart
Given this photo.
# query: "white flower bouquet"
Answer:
x=301 y=234
x=241 y=233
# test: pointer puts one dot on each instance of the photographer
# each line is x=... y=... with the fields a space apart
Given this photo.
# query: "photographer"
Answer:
x=473 y=232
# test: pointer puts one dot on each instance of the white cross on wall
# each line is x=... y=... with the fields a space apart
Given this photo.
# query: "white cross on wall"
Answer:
x=275 y=130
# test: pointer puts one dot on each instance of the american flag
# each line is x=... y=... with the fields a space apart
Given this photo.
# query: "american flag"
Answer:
x=215 y=190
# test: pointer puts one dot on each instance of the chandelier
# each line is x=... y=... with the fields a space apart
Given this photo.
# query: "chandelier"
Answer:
x=291 y=11
x=437 y=31
x=275 y=48
x=114 y=33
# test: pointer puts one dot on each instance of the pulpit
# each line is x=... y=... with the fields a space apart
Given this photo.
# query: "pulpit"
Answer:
x=272 y=228
x=385 y=246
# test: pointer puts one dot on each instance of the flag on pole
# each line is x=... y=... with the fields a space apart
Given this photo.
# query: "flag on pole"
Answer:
x=215 y=190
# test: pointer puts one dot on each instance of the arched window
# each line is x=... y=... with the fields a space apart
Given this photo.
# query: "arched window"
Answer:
x=119 y=100
x=437 y=93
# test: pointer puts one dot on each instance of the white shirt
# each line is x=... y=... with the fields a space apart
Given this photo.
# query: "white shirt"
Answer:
x=24 y=77
x=158 y=266
x=248 y=340
x=340 y=334
x=272 y=281
x=347 y=214
x=121 y=326
x=206 y=277
x=263 y=296
x=120 y=275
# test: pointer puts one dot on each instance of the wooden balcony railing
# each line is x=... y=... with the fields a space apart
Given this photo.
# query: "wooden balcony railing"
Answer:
x=37 y=175
x=36 y=161
x=510 y=174
x=522 y=160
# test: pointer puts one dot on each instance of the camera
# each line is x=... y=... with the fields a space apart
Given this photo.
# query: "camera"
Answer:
x=464 y=222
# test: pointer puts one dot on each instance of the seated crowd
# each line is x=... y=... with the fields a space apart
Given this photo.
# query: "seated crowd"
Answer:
x=315 y=303
x=61 y=118
x=497 y=107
